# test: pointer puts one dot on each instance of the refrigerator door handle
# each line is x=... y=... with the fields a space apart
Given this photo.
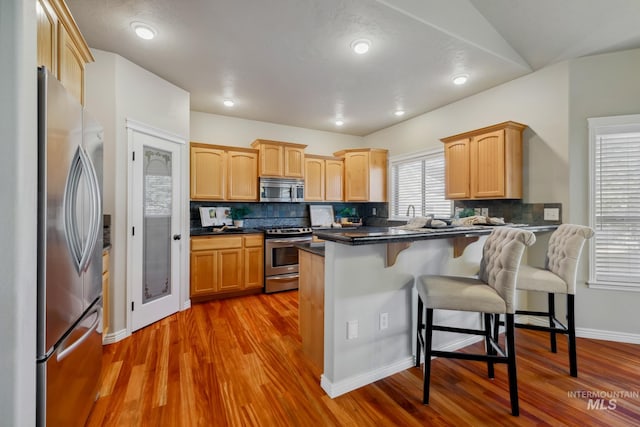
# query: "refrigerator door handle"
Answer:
x=68 y=350
x=81 y=166
x=95 y=209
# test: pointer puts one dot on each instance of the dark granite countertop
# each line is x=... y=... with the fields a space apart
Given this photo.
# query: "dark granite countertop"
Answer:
x=316 y=248
x=373 y=235
x=214 y=231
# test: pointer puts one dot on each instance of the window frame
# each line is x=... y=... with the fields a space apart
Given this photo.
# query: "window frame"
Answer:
x=393 y=160
x=599 y=126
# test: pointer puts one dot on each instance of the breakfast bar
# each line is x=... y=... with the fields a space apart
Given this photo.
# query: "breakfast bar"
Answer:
x=370 y=299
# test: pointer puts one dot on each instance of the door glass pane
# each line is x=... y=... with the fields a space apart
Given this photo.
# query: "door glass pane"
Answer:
x=157 y=191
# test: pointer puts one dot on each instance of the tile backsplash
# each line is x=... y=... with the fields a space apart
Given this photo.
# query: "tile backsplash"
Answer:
x=513 y=210
x=293 y=214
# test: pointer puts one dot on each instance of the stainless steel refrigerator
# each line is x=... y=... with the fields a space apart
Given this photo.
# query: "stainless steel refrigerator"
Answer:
x=69 y=306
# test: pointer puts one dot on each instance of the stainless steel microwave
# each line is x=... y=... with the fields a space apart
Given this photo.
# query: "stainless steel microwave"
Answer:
x=281 y=190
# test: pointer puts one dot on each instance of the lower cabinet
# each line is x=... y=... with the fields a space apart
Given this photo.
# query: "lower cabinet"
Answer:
x=226 y=265
x=311 y=306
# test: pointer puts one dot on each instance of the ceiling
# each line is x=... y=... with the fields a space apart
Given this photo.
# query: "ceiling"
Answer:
x=290 y=61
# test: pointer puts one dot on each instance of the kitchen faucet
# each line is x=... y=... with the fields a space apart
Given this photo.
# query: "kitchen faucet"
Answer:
x=414 y=210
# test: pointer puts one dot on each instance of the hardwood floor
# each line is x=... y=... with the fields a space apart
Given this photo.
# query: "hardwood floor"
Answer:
x=239 y=362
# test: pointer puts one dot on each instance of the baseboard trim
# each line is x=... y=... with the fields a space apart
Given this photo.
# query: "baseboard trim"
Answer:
x=114 y=337
x=341 y=387
x=596 y=334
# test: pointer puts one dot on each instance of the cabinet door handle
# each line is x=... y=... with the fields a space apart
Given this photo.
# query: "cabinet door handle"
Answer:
x=177 y=236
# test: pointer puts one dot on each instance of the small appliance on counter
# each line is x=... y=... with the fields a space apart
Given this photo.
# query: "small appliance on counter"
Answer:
x=215 y=216
x=321 y=216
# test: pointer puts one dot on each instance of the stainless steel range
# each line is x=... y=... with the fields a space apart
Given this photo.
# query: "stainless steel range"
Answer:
x=281 y=257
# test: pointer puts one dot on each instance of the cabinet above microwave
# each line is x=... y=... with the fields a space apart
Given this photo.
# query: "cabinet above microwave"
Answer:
x=280 y=159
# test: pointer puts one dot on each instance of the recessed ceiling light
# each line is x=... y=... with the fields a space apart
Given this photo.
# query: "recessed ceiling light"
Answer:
x=399 y=113
x=339 y=122
x=460 y=79
x=361 y=46
x=143 y=31
x=228 y=103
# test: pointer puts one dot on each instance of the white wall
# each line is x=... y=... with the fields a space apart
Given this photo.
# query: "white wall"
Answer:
x=602 y=85
x=538 y=100
x=224 y=130
x=117 y=90
x=18 y=188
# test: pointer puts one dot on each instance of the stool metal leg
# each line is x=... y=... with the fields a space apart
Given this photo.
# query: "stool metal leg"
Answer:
x=552 y=316
x=419 y=331
x=571 y=326
x=511 y=354
x=428 y=334
x=490 y=350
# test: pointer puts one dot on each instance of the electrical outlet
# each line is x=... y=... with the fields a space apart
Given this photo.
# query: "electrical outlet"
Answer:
x=384 y=321
x=374 y=211
x=352 y=329
x=551 y=214
x=484 y=211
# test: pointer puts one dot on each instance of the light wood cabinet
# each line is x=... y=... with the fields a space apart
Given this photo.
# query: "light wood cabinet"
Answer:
x=226 y=265
x=61 y=47
x=323 y=178
x=485 y=163
x=253 y=261
x=334 y=180
x=311 y=306
x=314 y=178
x=365 y=174
x=280 y=159
x=208 y=172
x=242 y=175
x=223 y=173
x=106 y=300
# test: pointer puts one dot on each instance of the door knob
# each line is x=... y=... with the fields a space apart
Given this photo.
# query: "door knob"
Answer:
x=177 y=237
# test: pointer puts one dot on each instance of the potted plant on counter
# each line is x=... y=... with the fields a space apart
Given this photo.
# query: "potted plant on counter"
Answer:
x=238 y=213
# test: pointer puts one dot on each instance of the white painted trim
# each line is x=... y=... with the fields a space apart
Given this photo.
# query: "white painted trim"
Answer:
x=598 y=334
x=614 y=286
x=350 y=384
x=113 y=337
x=154 y=131
x=336 y=389
x=136 y=126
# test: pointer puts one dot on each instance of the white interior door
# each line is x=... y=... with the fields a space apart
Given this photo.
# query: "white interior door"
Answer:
x=155 y=239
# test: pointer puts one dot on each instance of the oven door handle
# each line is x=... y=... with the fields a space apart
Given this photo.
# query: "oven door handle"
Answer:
x=290 y=240
x=284 y=278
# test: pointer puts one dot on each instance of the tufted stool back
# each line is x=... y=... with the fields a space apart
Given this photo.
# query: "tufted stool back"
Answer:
x=563 y=254
x=501 y=257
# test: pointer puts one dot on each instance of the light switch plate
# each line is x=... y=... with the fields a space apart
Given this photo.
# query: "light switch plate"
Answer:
x=551 y=214
x=352 y=329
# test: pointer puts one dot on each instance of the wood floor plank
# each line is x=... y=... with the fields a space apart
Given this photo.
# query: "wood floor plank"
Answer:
x=239 y=362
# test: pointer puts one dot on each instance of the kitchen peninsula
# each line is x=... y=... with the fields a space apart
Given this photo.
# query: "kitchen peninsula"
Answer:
x=369 y=296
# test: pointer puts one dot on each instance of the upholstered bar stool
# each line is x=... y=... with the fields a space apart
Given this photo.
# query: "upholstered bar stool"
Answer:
x=491 y=293
x=558 y=277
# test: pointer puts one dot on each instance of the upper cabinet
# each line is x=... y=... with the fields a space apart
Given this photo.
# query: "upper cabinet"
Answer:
x=365 y=174
x=280 y=159
x=223 y=173
x=485 y=163
x=61 y=47
x=323 y=178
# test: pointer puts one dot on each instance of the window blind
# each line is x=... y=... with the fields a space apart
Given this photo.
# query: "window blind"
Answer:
x=615 y=206
x=419 y=182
